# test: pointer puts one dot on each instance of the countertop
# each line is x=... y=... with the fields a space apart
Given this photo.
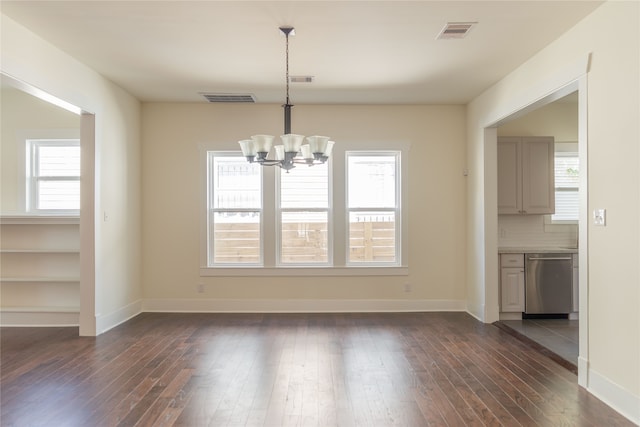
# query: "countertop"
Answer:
x=531 y=250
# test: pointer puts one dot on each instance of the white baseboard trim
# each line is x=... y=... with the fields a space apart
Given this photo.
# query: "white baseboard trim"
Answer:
x=510 y=316
x=113 y=319
x=620 y=399
x=298 y=305
x=477 y=311
x=34 y=317
x=583 y=372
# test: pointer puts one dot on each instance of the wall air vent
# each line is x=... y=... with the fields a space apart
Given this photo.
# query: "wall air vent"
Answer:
x=456 y=30
x=301 y=79
x=229 y=97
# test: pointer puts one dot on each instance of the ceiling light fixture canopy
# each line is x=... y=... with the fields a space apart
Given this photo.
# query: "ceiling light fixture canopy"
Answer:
x=292 y=151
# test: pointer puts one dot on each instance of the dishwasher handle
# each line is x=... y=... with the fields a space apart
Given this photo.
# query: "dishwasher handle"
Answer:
x=550 y=258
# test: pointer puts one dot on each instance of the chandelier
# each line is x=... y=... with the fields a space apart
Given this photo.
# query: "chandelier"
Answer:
x=293 y=150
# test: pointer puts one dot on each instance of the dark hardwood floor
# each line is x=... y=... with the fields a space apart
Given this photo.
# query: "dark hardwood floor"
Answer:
x=413 y=369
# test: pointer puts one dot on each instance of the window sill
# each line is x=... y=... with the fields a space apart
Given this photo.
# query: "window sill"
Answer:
x=549 y=221
x=303 y=271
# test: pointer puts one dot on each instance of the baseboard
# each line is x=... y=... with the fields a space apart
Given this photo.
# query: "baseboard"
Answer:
x=299 y=305
x=477 y=311
x=39 y=317
x=583 y=372
x=113 y=319
x=612 y=394
x=510 y=316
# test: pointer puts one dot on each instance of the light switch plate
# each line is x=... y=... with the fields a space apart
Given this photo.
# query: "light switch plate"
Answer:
x=600 y=217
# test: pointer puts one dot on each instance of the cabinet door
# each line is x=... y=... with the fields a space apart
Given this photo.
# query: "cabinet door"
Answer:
x=512 y=290
x=538 y=175
x=509 y=176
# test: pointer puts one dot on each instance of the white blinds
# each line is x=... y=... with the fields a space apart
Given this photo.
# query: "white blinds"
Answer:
x=567 y=185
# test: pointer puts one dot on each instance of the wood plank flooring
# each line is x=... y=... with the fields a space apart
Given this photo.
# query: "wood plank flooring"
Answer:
x=401 y=369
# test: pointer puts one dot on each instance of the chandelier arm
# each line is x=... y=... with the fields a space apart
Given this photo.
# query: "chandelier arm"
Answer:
x=270 y=163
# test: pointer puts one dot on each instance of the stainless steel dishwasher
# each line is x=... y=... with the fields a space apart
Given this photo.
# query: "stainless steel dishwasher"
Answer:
x=548 y=283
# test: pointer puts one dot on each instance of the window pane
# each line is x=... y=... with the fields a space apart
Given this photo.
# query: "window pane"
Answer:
x=60 y=195
x=236 y=237
x=236 y=184
x=304 y=237
x=567 y=178
x=56 y=161
x=372 y=181
x=567 y=171
x=305 y=187
x=372 y=237
x=567 y=206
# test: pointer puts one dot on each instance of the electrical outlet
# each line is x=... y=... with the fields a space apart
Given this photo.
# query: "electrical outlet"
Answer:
x=407 y=287
x=200 y=288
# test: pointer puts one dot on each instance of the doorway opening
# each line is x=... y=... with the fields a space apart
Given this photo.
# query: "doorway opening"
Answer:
x=574 y=94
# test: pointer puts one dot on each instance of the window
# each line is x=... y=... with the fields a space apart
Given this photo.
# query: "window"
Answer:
x=321 y=220
x=53 y=175
x=304 y=215
x=373 y=207
x=567 y=175
x=235 y=211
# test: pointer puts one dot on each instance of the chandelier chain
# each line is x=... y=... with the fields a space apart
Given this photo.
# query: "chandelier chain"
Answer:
x=287 y=65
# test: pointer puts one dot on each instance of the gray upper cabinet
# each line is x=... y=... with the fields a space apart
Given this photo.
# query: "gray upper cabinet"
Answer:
x=526 y=175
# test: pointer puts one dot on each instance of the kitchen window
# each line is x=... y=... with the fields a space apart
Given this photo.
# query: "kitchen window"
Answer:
x=53 y=176
x=567 y=176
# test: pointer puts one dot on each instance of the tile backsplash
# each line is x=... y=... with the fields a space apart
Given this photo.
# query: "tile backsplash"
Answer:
x=532 y=231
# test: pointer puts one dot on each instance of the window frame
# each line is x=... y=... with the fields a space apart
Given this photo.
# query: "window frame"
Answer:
x=211 y=155
x=397 y=209
x=565 y=149
x=336 y=221
x=33 y=178
x=279 y=210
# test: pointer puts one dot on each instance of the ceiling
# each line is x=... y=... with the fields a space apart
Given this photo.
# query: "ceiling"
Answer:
x=359 y=52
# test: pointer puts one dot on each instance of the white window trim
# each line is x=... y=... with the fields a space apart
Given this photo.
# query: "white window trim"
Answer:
x=570 y=147
x=278 y=222
x=31 y=142
x=397 y=210
x=209 y=210
x=22 y=138
x=338 y=219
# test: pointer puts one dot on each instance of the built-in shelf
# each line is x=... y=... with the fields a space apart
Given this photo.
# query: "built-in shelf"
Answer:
x=39 y=280
x=39 y=219
x=39 y=251
x=43 y=309
x=41 y=270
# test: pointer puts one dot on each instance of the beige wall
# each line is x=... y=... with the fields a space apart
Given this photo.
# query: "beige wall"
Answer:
x=172 y=195
x=611 y=34
x=558 y=119
x=22 y=116
x=112 y=291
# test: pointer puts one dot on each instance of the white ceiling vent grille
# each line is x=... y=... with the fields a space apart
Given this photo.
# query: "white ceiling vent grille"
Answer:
x=229 y=97
x=301 y=79
x=456 y=30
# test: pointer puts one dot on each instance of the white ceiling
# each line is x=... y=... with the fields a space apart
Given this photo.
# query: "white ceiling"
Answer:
x=373 y=52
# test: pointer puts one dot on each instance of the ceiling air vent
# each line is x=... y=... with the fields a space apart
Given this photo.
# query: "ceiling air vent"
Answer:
x=229 y=97
x=301 y=79
x=456 y=30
